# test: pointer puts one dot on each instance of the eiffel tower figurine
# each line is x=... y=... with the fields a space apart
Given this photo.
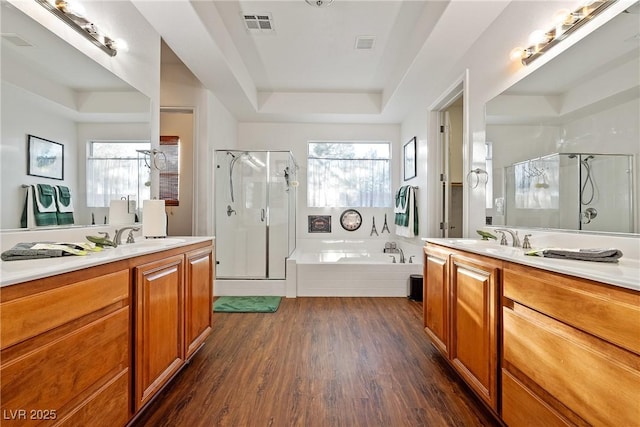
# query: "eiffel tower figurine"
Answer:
x=385 y=226
x=373 y=228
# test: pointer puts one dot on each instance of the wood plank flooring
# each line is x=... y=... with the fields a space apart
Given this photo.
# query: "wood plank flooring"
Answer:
x=325 y=362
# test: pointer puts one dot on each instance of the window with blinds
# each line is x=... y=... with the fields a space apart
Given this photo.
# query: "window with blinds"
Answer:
x=170 y=171
x=355 y=174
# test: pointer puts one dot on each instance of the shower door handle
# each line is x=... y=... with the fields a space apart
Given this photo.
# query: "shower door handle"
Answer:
x=262 y=214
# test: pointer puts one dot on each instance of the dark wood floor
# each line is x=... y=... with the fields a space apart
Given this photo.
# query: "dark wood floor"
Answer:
x=319 y=362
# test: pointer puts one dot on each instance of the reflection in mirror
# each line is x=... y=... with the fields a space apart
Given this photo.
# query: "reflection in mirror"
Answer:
x=53 y=91
x=565 y=140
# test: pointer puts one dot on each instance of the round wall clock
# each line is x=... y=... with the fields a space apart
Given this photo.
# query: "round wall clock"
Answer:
x=351 y=220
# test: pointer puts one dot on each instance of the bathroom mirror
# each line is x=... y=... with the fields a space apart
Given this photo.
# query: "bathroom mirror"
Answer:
x=53 y=91
x=563 y=143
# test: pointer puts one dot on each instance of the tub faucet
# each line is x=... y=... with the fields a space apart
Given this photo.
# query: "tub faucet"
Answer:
x=514 y=237
x=117 y=240
x=402 y=260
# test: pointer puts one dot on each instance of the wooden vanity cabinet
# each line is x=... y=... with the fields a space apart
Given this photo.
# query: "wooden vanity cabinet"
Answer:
x=94 y=346
x=174 y=309
x=435 y=301
x=571 y=351
x=66 y=349
x=461 y=314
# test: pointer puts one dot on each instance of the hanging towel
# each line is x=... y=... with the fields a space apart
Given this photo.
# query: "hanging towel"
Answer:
x=32 y=215
x=64 y=205
x=406 y=217
x=45 y=198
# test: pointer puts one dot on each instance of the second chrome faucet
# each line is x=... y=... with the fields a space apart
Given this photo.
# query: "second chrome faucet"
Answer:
x=514 y=237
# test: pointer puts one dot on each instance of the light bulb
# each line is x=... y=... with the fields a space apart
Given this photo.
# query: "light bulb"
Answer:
x=537 y=37
x=517 y=53
x=121 y=45
x=561 y=16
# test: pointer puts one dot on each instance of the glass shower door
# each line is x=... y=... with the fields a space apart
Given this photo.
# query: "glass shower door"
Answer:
x=255 y=202
x=241 y=214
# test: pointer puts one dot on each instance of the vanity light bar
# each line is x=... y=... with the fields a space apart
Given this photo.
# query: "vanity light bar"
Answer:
x=571 y=22
x=79 y=23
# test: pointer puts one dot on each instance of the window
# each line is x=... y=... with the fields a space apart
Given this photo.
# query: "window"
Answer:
x=349 y=174
x=170 y=170
x=114 y=171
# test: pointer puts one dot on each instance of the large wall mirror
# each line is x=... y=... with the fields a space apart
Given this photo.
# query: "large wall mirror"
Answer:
x=55 y=92
x=565 y=140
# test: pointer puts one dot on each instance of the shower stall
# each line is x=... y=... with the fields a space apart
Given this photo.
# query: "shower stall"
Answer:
x=255 y=213
x=576 y=191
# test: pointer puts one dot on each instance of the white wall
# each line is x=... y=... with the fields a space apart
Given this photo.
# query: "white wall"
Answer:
x=215 y=128
x=294 y=137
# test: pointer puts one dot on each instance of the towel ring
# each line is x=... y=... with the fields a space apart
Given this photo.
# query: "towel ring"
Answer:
x=476 y=173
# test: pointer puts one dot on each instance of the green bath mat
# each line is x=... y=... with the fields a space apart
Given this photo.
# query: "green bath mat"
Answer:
x=268 y=304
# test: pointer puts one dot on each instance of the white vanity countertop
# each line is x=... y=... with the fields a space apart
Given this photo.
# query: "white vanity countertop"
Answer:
x=13 y=272
x=625 y=273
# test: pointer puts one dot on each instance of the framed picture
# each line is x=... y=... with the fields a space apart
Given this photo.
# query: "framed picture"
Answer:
x=319 y=223
x=46 y=158
x=410 y=166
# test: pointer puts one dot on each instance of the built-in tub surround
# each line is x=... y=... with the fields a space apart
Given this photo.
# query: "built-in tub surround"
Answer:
x=341 y=268
x=625 y=273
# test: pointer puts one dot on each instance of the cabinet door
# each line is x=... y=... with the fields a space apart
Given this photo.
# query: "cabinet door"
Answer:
x=198 y=298
x=436 y=297
x=159 y=325
x=474 y=345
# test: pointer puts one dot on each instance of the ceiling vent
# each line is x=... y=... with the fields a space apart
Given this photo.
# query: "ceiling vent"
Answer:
x=365 y=42
x=258 y=23
x=15 y=39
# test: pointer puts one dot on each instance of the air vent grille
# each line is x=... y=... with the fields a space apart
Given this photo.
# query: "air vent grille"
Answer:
x=258 y=22
x=365 y=42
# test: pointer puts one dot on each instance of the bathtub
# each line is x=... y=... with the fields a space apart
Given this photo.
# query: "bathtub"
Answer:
x=351 y=271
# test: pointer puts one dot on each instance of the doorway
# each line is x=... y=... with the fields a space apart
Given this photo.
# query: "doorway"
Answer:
x=452 y=165
x=179 y=122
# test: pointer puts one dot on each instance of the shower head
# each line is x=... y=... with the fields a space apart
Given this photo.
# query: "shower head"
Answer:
x=572 y=156
x=589 y=158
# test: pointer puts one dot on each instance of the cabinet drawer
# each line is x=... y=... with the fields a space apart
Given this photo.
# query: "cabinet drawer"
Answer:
x=521 y=407
x=50 y=309
x=598 y=381
x=68 y=369
x=109 y=406
x=605 y=311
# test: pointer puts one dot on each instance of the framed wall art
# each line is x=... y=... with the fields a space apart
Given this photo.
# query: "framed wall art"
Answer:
x=46 y=158
x=410 y=166
x=319 y=223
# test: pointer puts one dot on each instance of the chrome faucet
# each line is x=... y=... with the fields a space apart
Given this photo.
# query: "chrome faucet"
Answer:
x=402 y=260
x=514 y=237
x=117 y=240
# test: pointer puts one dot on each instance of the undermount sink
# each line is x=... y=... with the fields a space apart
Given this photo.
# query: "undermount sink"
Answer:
x=166 y=241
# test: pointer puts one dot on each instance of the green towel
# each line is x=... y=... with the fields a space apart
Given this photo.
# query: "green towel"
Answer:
x=64 y=195
x=42 y=218
x=47 y=194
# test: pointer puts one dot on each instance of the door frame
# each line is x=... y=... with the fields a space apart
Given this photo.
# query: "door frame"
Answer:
x=459 y=87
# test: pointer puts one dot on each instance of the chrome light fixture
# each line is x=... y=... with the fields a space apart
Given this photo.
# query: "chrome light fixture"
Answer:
x=566 y=22
x=72 y=14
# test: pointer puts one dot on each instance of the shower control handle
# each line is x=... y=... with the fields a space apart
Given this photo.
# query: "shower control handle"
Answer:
x=230 y=210
x=588 y=215
x=262 y=214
